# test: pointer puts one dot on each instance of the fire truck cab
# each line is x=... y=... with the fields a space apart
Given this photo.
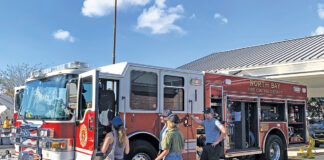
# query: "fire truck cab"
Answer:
x=65 y=111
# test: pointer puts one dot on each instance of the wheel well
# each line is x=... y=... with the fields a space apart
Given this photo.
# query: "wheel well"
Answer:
x=275 y=132
x=147 y=137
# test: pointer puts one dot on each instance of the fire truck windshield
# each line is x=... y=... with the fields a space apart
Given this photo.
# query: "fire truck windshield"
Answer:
x=46 y=99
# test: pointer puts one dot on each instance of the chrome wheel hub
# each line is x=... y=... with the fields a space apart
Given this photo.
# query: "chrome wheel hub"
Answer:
x=274 y=151
x=141 y=156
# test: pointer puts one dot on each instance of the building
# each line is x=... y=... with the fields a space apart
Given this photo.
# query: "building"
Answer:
x=300 y=60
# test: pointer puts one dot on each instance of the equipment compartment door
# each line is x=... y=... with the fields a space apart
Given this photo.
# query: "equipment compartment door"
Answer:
x=85 y=115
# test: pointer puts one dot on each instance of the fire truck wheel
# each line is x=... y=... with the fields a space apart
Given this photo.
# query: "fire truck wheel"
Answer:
x=274 y=149
x=141 y=150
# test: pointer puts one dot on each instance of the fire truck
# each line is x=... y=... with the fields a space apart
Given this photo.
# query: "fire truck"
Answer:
x=64 y=111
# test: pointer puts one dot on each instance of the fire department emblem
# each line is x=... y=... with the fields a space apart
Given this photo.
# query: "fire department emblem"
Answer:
x=83 y=135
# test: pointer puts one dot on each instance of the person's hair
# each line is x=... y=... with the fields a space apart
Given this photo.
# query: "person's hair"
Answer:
x=121 y=135
x=171 y=125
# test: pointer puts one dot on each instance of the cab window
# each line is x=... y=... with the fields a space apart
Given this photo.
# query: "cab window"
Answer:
x=173 y=93
x=85 y=96
x=143 y=90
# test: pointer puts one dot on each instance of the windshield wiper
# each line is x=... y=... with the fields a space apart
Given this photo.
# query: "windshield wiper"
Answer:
x=43 y=120
x=22 y=117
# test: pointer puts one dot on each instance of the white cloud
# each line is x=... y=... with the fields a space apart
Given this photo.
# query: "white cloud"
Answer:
x=160 y=19
x=319 y=30
x=225 y=20
x=217 y=15
x=63 y=35
x=320 y=10
x=160 y=3
x=193 y=16
x=222 y=18
x=93 y=8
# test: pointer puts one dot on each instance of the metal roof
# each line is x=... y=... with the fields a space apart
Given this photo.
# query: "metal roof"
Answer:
x=284 y=52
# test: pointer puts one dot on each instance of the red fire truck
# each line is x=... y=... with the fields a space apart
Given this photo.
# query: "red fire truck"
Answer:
x=65 y=111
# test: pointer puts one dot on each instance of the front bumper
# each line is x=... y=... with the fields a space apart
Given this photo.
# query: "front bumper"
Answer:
x=50 y=155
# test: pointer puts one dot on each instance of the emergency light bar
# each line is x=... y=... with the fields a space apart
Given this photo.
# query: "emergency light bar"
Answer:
x=70 y=65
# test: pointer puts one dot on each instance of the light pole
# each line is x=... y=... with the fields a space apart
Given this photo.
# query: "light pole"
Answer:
x=114 y=45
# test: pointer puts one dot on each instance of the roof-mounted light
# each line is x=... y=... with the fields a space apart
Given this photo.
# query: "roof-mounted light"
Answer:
x=36 y=74
x=70 y=65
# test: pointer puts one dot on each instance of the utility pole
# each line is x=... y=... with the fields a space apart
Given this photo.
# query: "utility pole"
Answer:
x=114 y=45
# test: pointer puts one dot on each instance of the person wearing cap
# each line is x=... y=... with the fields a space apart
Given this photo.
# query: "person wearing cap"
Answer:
x=116 y=142
x=215 y=133
x=165 y=114
x=173 y=141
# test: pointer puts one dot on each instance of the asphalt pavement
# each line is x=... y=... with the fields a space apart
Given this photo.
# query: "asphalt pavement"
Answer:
x=319 y=152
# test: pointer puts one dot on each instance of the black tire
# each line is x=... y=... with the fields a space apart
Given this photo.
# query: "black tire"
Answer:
x=141 y=149
x=274 y=148
x=317 y=143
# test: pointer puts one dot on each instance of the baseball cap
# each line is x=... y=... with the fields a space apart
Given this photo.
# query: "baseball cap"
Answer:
x=116 y=121
x=173 y=118
x=208 y=110
x=166 y=113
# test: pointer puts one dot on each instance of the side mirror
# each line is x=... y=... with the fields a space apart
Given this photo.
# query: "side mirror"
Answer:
x=185 y=121
x=18 y=99
x=72 y=94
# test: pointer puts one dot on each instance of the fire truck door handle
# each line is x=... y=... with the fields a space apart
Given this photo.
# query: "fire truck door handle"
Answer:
x=124 y=99
x=133 y=117
x=191 y=112
x=90 y=124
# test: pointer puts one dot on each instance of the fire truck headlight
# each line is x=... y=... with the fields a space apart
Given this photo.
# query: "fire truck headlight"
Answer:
x=43 y=133
x=59 y=144
x=46 y=133
x=44 y=144
x=14 y=130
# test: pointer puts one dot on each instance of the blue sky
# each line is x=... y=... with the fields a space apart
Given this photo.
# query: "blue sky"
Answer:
x=166 y=33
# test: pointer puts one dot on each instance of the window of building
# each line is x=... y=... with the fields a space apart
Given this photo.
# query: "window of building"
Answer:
x=143 y=90
x=174 y=93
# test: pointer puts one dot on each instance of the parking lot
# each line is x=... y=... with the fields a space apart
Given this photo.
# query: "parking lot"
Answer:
x=292 y=153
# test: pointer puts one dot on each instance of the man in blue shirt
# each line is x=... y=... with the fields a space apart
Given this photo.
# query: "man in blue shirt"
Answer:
x=215 y=133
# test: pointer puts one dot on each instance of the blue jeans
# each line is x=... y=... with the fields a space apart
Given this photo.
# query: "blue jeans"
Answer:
x=173 y=156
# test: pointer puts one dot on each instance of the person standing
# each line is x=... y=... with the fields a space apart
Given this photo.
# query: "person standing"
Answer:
x=165 y=114
x=173 y=141
x=116 y=142
x=6 y=123
x=215 y=133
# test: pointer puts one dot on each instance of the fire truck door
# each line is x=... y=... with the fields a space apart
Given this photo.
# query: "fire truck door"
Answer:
x=85 y=115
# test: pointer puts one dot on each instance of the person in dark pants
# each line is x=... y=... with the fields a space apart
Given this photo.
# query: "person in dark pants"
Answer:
x=215 y=133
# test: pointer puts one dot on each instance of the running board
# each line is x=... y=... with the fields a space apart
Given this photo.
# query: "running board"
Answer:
x=243 y=153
